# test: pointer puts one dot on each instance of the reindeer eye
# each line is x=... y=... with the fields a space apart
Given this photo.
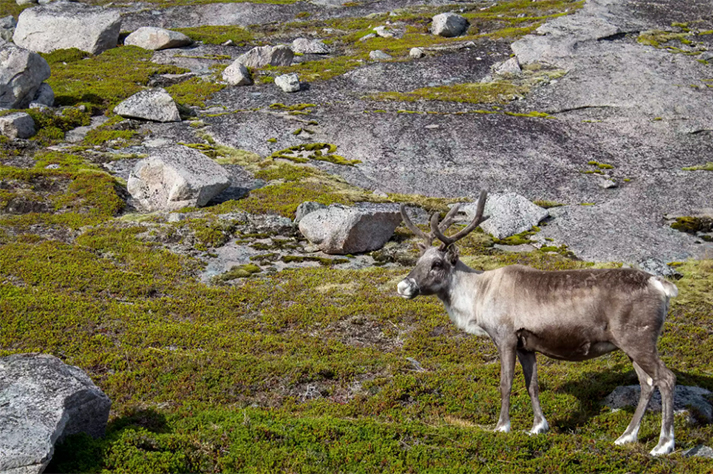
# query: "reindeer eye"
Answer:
x=437 y=264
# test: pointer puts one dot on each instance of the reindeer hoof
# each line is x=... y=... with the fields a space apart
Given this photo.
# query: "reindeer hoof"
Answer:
x=625 y=439
x=540 y=428
x=505 y=428
x=665 y=448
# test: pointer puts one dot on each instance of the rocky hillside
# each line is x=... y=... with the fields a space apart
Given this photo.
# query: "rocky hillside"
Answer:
x=154 y=158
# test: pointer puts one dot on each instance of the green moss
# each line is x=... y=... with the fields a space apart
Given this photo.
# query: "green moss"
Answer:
x=293 y=108
x=474 y=93
x=324 y=261
x=693 y=225
x=601 y=166
x=313 y=151
x=238 y=271
x=103 y=80
x=547 y=204
x=194 y=91
x=707 y=167
x=218 y=34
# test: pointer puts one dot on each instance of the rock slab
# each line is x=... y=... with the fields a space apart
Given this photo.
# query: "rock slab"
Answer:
x=343 y=230
x=261 y=56
x=153 y=38
x=509 y=214
x=449 y=25
x=307 y=46
x=21 y=76
x=176 y=177
x=288 y=82
x=43 y=400
x=17 y=125
x=151 y=104
x=64 y=25
x=684 y=397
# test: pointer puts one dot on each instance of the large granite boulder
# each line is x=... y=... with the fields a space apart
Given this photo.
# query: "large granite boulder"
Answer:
x=261 y=56
x=64 y=25
x=175 y=177
x=21 y=75
x=343 y=230
x=150 y=104
x=449 y=25
x=509 y=214
x=43 y=400
x=153 y=38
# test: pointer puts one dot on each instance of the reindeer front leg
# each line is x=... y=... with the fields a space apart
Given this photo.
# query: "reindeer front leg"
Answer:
x=507 y=372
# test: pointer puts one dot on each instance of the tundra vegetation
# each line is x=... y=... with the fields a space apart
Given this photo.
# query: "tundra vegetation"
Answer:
x=308 y=369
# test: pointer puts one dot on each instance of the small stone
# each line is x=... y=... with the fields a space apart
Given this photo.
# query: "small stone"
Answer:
x=7 y=27
x=44 y=96
x=288 y=82
x=367 y=37
x=306 y=46
x=228 y=43
x=383 y=32
x=176 y=217
x=151 y=104
x=53 y=166
x=416 y=53
x=237 y=75
x=699 y=451
x=153 y=38
x=17 y=125
x=378 y=55
x=605 y=183
x=22 y=73
x=449 y=25
x=706 y=56
x=26 y=2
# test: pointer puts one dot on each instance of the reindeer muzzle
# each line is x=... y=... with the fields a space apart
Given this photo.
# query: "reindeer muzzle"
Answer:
x=407 y=288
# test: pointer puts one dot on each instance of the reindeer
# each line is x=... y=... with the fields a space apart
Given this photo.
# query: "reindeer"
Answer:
x=570 y=315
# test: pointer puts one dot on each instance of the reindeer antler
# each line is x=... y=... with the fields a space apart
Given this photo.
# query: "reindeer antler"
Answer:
x=428 y=238
x=437 y=230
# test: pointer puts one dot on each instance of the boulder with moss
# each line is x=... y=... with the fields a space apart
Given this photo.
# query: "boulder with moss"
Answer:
x=42 y=401
x=343 y=230
x=307 y=46
x=65 y=25
x=22 y=73
x=175 y=177
x=449 y=25
x=153 y=38
x=151 y=104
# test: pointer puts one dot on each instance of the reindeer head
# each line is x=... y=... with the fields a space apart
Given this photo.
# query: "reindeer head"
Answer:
x=432 y=273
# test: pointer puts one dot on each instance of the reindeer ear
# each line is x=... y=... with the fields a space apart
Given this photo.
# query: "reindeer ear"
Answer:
x=452 y=254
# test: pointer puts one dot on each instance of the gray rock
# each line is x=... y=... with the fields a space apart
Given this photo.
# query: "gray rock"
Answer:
x=706 y=55
x=658 y=267
x=305 y=208
x=515 y=248
x=21 y=75
x=26 y=2
x=153 y=38
x=237 y=74
x=367 y=37
x=606 y=183
x=684 y=397
x=288 y=82
x=43 y=96
x=175 y=177
x=379 y=55
x=383 y=32
x=306 y=46
x=64 y=25
x=509 y=67
x=151 y=104
x=17 y=125
x=7 y=27
x=43 y=400
x=344 y=230
x=416 y=53
x=509 y=214
x=701 y=451
x=449 y=25
x=261 y=56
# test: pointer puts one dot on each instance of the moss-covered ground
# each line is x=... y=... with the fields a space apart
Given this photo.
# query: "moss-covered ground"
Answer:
x=304 y=370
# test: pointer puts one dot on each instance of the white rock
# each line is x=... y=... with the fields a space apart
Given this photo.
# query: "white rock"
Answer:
x=383 y=32
x=449 y=25
x=237 y=74
x=416 y=53
x=26 y=2
x=306 y=46
x=288 y=82
x=149 y=37
x=21 y=75
x=509 y=67
x=261 y=56
x=305 y=208
x=43 y=400
x=378 y=55
x=17 y=125
x=175 y=177
x=607 y=183
x=509 y=214
x=344 y=230
x=367 y=37
x=151 y=104
x=64 y=25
